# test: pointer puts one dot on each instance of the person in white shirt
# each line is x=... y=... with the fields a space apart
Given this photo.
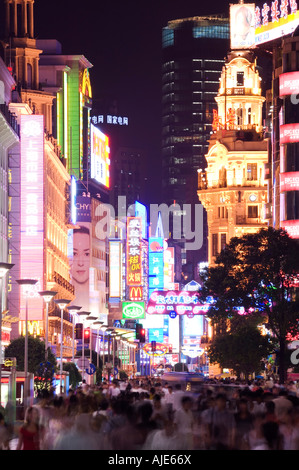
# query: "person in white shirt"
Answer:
x=184 y=422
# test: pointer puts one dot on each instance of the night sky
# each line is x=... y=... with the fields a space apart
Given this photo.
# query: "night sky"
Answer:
x=122 y=39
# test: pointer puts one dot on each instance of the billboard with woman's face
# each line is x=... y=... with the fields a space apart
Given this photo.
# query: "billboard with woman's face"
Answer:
x=80 y=264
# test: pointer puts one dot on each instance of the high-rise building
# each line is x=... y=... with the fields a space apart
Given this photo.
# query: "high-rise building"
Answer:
x=193 y=56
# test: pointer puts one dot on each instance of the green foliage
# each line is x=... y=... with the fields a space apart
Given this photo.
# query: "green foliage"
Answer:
x=36 y=353
x=242 y=348
x=257 y=272
x=74 y=375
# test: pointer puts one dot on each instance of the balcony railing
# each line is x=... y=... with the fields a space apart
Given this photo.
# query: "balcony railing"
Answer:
x=10 y=118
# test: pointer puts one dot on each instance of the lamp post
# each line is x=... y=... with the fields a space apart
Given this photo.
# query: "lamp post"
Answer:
x=62 y=304
x=104 y=328
x=98 y=325
x=73 y=309
x=47 y=295
x=83 y=316
x=4 y=269
x=26 y=283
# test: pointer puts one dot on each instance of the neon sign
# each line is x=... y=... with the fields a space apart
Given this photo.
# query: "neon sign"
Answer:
x=115 y=257
x=161 y=349
x=291 y=227
x=133 y=310
x=181 y=302
x=289 y=181
x=100 y=157
x=156 y=264
x=110 y=119
x=289 y=133
x=275 y=21
x=288 y=83
x=134 y=232
x=32 y=211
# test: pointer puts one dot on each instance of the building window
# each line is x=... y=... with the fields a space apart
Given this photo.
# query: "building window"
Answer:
x=251 y=171
x=214 y=244
x=252 y=212
x=222 y=241
x=240 y=78
x=222 y=212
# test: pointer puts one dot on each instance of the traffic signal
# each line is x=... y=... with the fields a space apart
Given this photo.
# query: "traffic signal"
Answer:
x=154 y=346
x=86 y=336
x=170 y=349
x=140 y=332
x=78 y=330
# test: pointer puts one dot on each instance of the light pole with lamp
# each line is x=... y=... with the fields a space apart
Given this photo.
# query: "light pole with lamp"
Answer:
x=47 y=295
x=103 y=328
x=83 y=316
x=73 y=309
x=26 y=283
x=62 y=304
x=4 y=269
x=90 y=319
x=98 y=325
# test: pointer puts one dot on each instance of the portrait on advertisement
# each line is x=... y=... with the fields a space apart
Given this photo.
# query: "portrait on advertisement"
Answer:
x=242 y=26
x=80 y=265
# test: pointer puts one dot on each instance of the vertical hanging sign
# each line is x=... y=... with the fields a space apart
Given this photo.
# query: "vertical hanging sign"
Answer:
x=134 y=232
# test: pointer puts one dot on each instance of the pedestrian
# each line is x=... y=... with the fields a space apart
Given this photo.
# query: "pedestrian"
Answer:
x=220 y=425
x=244 y=423
x=31 y=433
x=184 y=421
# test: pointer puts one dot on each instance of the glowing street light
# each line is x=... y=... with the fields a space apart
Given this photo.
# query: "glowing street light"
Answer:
x=47 y=295
x=26 y=283
x=62 y=304
x=73 y=310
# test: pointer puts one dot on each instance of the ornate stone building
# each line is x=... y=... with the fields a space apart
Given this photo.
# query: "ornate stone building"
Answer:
x=232 y=188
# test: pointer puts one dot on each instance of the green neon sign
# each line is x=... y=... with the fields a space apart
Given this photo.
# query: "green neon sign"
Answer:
x=133 y=310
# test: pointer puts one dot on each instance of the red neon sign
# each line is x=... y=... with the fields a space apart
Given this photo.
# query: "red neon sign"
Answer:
x=289 y=181
x=292 y=227
x=289 y=133
x=32 y=212
x=288 y=83
x=134 y=233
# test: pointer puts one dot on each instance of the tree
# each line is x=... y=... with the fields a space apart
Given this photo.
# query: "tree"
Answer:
x=74 y=375
x=36 y=353
x=257 y=274
x=242 y=348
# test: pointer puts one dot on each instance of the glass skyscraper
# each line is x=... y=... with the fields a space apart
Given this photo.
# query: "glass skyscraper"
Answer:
x=193 y=52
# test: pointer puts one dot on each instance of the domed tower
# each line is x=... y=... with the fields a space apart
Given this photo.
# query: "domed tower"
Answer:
x=233 y=188
x=22 y=57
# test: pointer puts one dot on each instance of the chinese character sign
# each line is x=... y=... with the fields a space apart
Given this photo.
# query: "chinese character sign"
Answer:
x=32 y=211
x=156 y=264
x=134 y=231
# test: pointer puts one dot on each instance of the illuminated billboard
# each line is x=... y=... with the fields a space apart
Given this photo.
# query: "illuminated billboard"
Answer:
x=275 y=20
x=169 y=268
x=32 y=212
x=100 y=157
x=289 y=133
x=288 y=83
x=289 y=181
x=181 y=302
x=292 y=227
x=115 y=260
x=134 y=233
x=136 y=292
x=242 y=26
x=133 y=310
x=155 y=264
x=156 y=334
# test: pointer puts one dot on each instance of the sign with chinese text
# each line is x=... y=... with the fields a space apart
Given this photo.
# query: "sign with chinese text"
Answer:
x=134 y=231
x=292 y=227
x=288 y=83
x=275 y=20
x=289 y=133
x=115 y=259
x=181 y=302
x=161 y=349
x=156 y=264
x=32 y=213
x=289 y=181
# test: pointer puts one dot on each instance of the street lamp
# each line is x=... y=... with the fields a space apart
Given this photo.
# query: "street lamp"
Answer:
x=83 y=316
x=98 y=325
x=47 y=295
x=4 y=269
x=73 y=309
x=26 y=283
x=62 y=304
x=104 y=328
x=90 y=319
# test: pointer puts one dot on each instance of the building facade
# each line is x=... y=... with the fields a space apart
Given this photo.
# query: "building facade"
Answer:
x=233 y=188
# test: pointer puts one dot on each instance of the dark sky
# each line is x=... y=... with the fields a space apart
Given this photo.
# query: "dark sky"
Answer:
x=122 y=39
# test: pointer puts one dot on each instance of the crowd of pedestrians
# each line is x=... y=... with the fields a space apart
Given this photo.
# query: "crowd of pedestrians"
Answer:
x=146 y=415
